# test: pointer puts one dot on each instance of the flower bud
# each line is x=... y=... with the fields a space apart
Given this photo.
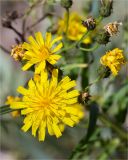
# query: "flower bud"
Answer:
x=90 y=23
x=12 y=15
x=66 y=3
x=103 y=37
x=106 y=8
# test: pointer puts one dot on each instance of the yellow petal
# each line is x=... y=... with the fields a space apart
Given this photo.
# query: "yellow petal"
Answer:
x=44 y=76
x=51 y=61
x=71 y=101
x=33 y=42
x=26 y=46
x=27 y=66
x=28 y=122
x=22 y=90
x=17 y=105
x=50 y=129
x=26 y=126
x=48 y=38
x=26 y=111
x=40 y=67
x=72 y=94
x=56 y=130
x=31 y=84
x=55 y=40
x=55 y=57
x=41 y=132
x=68 y=121
x=39 y=38
x=69 y=85
x=57 y=48
x=37 y=122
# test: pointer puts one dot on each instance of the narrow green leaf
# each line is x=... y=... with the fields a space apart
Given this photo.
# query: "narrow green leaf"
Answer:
x=94 y=111
x=5 y=109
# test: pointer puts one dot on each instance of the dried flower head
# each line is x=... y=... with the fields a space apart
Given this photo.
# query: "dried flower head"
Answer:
x=9 y=101
x=112 y=28
x=113 y=59
x=17 y=52
x=90 y=23
x=49 y=104
x=40 y=51
x=84 y=97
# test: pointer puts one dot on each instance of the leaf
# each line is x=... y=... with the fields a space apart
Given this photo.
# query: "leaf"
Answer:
x=94 y=111
x=5 y=109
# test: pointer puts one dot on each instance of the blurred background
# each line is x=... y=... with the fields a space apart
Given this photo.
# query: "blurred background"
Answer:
x=111 y=94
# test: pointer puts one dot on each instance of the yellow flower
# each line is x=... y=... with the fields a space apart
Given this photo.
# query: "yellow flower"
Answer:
x=17 y=52
x=39 y=51
x=9 y=101
x=49 y=104
x=113 y=59
x=75 y=28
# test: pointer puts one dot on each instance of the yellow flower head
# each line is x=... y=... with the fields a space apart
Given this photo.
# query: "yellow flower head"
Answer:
x=113 y=59
x=17 y=52
x=39 y=51
x=75 y=27
x=49 y=104
x=9 y=101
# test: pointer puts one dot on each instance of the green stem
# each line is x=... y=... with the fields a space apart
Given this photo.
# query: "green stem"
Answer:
x=71 y=66
x=111 y=124
x=82 y=38
x=67 y=23
x=77 y=43
x=95 y=81
x=90 y=49
x=99 y=19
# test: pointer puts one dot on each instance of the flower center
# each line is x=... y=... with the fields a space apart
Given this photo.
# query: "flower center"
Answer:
x=44 y=52
x=45 y=102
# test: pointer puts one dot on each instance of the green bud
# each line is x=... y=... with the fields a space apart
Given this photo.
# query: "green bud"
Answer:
x=103 y=37
x=66 y=3
x=106 y=8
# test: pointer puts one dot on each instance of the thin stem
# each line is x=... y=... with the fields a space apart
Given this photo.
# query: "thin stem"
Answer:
x=82 y=38
x=90 y=49
x=100 y=18
x=71 y=66
x=111 y=124
x=40 y=19
x=77 y=43
x=18 y=33
x=95 y=81
x=28 y=12
x=67 y=22
x=4 y=49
